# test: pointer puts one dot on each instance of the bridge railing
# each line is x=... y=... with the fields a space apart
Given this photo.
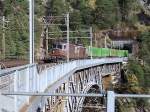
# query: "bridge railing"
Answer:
x=54 y=73
x=128 y=102
x=21 y=79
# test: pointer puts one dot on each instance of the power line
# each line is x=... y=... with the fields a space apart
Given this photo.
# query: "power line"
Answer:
x=76 y=31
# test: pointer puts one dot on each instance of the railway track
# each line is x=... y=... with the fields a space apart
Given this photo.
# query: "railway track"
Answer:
x=6 y=82
x=12 y=63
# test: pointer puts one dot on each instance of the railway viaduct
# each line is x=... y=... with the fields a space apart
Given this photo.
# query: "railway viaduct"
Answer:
x=63 y=87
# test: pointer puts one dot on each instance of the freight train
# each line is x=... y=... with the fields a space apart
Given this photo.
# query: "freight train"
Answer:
x=59 y=52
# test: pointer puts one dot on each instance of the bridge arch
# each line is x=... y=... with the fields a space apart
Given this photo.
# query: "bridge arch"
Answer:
x=83 y=81
x=89 y=103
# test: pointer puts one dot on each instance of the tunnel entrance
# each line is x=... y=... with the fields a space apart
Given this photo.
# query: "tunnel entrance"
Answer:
x=94 y=104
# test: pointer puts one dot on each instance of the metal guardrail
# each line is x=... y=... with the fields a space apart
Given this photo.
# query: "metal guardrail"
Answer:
x=16 y=79
x=53 y=94
x=111 y=96
x=27 y=79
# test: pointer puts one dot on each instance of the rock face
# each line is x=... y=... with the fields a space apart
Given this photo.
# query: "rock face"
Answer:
x=146 y=6
x=92 y=3
x=131 y=105
x=44 y=1
x=41 y=51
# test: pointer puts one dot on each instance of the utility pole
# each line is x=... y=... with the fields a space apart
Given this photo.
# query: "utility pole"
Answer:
x=3 y=40
x=91 y=44
x=47 y=41
x=68 y=37
x=106 y=41
x=3 y=36
x=31 y=30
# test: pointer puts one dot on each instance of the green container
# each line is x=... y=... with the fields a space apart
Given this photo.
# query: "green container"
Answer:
x=106 y=52
x=126 y=54
x=113 y=52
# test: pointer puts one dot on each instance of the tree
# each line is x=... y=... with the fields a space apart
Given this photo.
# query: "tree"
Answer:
x=78 y=4
x=134 y=67
x=128 y=10
x=144 y=41
x=144 y=54
x=87 y=16
x=56 y=7
x=105 y=13
x=75 y=20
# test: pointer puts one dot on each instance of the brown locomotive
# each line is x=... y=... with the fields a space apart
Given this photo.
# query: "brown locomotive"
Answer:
x=59 y=51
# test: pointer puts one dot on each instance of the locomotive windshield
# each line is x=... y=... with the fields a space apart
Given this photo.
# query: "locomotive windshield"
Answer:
x=57 y=46
x=54 y=46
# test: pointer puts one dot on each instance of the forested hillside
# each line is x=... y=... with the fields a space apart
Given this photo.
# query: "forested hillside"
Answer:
x=101 y=14
x=16 y=27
